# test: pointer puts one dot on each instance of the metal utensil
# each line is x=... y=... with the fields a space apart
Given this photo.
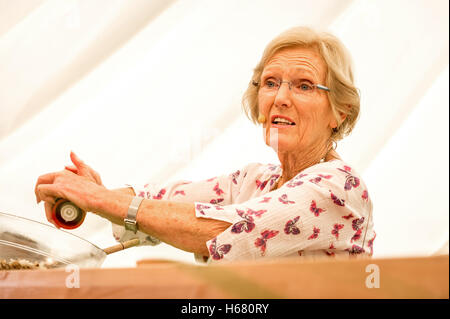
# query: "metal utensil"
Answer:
x=22 y=238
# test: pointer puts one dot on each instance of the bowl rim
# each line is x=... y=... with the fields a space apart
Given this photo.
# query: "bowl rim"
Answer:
x=12 y=216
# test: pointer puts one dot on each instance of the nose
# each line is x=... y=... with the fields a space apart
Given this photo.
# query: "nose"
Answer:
x=283 y=97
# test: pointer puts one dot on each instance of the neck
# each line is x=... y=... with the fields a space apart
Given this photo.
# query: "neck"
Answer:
x=293 y=163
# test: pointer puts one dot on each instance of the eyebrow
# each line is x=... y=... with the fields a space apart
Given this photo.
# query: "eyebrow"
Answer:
x=296 y=72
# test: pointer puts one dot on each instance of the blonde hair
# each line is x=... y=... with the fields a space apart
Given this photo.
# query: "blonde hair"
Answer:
x=343 y=96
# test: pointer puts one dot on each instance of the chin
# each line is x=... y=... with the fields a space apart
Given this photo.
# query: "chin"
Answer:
x=282 y=144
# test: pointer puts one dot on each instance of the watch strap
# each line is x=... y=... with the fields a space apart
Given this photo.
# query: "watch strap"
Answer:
x=130 y=220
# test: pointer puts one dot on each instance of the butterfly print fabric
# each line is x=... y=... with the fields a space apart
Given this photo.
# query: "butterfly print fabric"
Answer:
x=324 y=211
x=291 y=227
x=217 y=253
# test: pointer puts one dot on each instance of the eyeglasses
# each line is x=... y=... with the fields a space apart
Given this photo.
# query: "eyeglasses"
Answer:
x=298 y=87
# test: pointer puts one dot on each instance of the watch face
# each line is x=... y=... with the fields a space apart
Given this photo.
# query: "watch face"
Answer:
x=130 y=225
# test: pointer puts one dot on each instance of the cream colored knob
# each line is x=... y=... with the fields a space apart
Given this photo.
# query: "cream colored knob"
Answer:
x=69 y=212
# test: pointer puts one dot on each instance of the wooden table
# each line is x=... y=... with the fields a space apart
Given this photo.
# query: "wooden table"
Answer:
x=426 y=277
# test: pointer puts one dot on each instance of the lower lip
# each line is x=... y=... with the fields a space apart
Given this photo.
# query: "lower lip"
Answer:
x=281 y=125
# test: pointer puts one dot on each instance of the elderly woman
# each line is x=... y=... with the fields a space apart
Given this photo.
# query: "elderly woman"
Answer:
x=313 y=204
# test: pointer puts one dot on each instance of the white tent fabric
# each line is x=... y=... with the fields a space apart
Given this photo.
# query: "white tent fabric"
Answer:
x=150 y=91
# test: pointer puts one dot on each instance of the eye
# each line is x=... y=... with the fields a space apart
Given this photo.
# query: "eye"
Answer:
x=271 y=83
x=304 y=85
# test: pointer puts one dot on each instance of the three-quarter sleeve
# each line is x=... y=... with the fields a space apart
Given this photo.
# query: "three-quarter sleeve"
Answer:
x=219 y=190
x=325 y=209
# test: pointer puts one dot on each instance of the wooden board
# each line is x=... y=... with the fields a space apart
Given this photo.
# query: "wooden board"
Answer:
x=424 y=277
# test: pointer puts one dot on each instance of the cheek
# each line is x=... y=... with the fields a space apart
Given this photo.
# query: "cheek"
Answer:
x=264 y=105
x=313 y=118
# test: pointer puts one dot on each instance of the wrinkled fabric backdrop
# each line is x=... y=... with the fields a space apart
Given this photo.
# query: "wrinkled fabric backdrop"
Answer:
x=151 y=91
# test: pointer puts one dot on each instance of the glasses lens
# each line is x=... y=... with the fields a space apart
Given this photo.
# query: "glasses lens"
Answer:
x=302 y=87
x=271 y=84
x=299 y=87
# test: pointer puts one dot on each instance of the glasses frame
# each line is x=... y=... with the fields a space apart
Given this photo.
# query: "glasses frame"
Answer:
x=318 y=86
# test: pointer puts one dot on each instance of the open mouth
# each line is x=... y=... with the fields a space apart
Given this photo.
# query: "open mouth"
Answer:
x=282 y=120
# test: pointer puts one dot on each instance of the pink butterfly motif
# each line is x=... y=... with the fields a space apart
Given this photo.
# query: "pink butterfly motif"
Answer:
x=336 y=200
x=211 y=179
x=292 y=183
x=160 y=194
x=317 y=179
x=284 y=199
x=356 y=236
x=216 y=201
x=291 y=228
x=217 y=252
x=350 y=181
x=365 y=195
x=256 y=213
x=246 y=225
x=336 y=229
x=265 y=200
x=347 y=168
x=328 y=252
x=234 y=176
x=355 y=250
x=357 y=222
x=313 y=208
x=218 y=190
x=179 y=192
x=262 y=242
x=315 y=233
x=348 y=216
x=201 y=207
x=260 y=184
x=146 y=185
x=273 y=178
x=141 y=194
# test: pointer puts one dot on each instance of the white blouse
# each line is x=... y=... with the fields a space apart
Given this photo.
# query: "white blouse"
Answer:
x=325 y=210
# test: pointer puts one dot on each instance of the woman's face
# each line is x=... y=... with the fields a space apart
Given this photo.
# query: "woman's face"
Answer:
x=310 y=113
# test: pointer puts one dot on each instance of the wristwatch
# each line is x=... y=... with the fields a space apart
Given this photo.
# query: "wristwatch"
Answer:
x=130 y=220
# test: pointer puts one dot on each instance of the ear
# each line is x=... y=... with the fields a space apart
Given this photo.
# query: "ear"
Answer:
x=343 y=116
x=334 y=123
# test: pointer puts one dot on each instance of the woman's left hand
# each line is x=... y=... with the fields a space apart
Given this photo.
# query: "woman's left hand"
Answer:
x=80 y=190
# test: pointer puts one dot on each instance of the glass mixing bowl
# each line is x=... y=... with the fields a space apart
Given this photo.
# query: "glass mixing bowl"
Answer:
x=32 y=241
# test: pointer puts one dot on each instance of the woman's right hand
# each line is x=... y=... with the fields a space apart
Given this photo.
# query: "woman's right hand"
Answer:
x=79 y=168
x=82 y=169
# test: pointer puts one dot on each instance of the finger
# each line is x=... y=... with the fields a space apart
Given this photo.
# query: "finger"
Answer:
x=49 y=192
x=43 y=179
x=48 y=213
x=97 y=178
x=82 y=168
x=72 y=169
